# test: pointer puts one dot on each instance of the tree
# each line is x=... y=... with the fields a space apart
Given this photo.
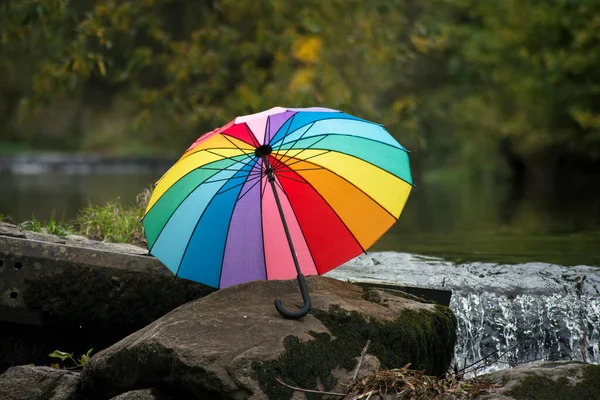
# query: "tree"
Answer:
x=461 y=81
x=530 y=75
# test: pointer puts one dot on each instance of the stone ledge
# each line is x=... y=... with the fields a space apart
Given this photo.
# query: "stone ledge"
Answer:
x=28 y=257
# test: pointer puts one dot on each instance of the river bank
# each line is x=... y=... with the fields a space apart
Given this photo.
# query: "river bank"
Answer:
x=516 y=313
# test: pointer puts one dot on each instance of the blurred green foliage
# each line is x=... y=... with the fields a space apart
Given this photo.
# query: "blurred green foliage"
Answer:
x=482 y=84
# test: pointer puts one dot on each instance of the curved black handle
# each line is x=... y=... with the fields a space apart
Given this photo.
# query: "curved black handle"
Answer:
x=305 y=308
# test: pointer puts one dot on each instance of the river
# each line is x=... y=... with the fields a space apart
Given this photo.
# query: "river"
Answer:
x=450 y=217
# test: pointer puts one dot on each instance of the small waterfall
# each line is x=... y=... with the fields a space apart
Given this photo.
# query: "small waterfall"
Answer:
x=525 y=328
x=517 y=313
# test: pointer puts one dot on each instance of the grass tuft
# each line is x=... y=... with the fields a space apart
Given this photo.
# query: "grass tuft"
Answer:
x=111 y=222
x=53 y=226
x=32 y=225
x=115 y=223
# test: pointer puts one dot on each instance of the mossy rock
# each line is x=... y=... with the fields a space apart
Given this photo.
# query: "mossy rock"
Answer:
x=563 y=380
x=539 y=387
x=232 y=344
x=424 y=339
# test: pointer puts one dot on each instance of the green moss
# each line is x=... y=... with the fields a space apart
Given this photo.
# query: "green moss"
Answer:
x=542 y=388
x=423 y=338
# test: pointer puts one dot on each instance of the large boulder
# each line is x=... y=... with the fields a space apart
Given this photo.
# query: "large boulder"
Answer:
x=233 y=344
x=33 y=383
x=545 y=380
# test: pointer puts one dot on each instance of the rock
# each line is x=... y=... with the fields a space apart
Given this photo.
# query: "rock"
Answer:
x=143 y=394
x=33 y=383
x=44 y=237
x=545 y=380
x=11 y=230
x=232 y=344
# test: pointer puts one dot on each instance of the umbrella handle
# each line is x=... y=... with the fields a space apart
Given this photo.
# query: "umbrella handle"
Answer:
x=305 y=308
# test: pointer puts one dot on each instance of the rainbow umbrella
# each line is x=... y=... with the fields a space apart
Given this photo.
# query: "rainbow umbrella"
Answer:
x=280 y=194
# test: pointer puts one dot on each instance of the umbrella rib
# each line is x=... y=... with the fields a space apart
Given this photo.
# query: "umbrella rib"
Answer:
x=213 y=169
x=193 y=230
x=326 y=119
x=187 y=173
x=267 y=128
x=227 y=179
x=251 y=187
x=263 y=189
x=304 y=148
x=301 y=136
x=188 y=195
x=234 y=186
x=229 y=158
x=225 y=245
x=351 y=136
x=295 y=141
x=287 y=131
x=238 y=147
x=357 y=188
x=280 y=175
x=229 y=224
x=353 y=156
x=199 y=150
x=233 y=177
x=297 y=220
x=222 y=169
x=335 y=212
x=302 y=230
x=278 y=184
x=186 y=155
x=299 y=160
x=307 y=169
x=252 y=136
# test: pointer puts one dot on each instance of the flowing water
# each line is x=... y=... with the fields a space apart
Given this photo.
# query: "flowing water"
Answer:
x=515 y=313
x=523 y=262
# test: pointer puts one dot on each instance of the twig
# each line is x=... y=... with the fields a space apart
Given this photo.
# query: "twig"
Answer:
x=362 y=358
x=363 y=395
x=309 y=390
x=518 y=362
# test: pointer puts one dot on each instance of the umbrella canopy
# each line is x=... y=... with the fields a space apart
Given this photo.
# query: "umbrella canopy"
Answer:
x=328 y=182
